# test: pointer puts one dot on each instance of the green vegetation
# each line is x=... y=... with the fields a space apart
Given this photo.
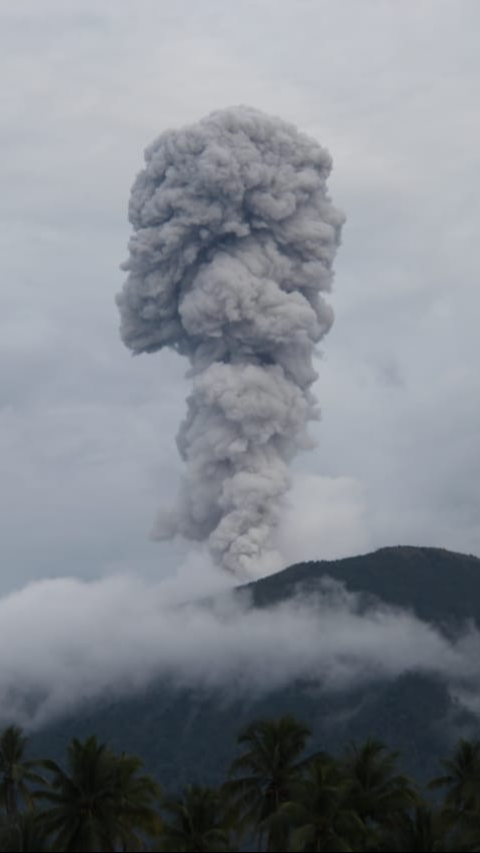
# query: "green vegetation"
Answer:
x=187 y=734
x=278 y=795
x=16 y=773
x=102 y=802
x=262 y=777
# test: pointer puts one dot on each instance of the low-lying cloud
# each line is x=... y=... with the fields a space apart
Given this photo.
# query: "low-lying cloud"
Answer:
x=70 y=640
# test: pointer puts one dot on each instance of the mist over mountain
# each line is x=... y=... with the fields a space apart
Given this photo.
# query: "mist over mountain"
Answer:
x=383 y=644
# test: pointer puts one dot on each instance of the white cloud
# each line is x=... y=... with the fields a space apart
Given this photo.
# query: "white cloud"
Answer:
x=324 y=519
x=81 y=640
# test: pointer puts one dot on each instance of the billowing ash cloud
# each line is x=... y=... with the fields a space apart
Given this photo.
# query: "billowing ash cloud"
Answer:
x=234 y=240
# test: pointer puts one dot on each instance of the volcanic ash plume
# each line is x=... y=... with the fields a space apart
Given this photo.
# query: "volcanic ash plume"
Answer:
x=234 y=239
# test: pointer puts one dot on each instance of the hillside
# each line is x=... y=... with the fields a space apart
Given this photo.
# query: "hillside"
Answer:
x=438 y=585
x=187 y=735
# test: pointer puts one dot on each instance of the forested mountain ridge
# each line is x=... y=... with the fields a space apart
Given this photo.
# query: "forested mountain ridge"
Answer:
x=188 y=734
x=438 y=585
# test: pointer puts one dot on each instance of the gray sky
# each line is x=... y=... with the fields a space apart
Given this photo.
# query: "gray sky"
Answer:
x=87 y=450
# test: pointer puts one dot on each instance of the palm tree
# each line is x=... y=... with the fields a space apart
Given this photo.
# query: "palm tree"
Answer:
x=377 y=793
x=198 y=820
x=137 y=800
x=461 y=805
x=23 y=833
x=261 y=778
x=81 y=815
x=100 y=802
x=462 y=778
x=319 y=815
x=419 y=831
x=16 y=773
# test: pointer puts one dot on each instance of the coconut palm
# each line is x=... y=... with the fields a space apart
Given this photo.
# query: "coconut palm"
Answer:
x=17 y=774
x=377 y=793
x=462 y=778
x=100 y=802
x=199 y=819
x=319 y=815
x=419 y=831
x=261 y=779
x=461 y=803
x=137 y=798
x=23 y=833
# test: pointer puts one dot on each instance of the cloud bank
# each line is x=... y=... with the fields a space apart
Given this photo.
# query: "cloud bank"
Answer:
x=84 y=640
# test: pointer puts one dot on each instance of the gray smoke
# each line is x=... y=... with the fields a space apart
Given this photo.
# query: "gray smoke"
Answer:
x=234 y=240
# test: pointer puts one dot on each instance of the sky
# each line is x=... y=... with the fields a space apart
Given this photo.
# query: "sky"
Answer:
x=87 y=433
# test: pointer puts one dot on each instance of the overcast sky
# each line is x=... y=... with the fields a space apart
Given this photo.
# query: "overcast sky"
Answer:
x=87 y=433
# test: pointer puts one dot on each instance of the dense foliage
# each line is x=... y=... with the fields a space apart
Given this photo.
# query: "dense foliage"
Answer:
x=277 y=796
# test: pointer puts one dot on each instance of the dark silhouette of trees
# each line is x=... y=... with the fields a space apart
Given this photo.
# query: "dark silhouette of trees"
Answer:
x=262 y=777
x=276 y=796
x=17 y=774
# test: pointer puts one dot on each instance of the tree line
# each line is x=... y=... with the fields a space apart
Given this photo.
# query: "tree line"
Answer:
x=276 y=797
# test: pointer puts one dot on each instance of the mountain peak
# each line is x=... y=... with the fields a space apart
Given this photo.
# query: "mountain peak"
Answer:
x=439 y=585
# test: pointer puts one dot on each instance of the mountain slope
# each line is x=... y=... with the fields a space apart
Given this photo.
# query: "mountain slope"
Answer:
x=438 y=585
x=186 y=734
